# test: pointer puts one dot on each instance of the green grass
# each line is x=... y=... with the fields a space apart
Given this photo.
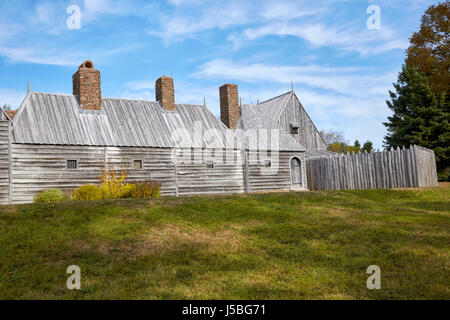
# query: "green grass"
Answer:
x=311 y=245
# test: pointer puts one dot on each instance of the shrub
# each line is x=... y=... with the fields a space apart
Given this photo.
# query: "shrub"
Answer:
x=88 y=192
x=50 y=196
x=128 y=191
x=148 y=189
x=112 y=183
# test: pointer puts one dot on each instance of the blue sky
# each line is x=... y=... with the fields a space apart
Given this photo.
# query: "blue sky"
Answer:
x=341 y=70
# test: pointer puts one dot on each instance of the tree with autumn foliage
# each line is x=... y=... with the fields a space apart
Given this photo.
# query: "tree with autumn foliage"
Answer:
x=429 y=49
x=420 y=105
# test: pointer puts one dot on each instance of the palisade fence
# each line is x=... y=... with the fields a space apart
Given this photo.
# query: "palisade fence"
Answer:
x=397 y=168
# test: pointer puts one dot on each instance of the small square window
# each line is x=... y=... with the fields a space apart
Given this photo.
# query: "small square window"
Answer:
x=72 y=164
x=267 y=163
x=294 y=131
x=137 y=164
x=210 y=165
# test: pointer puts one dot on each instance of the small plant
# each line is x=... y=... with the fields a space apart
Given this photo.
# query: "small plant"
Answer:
x=128 y=191
x=88 y=192
x=113 y=183
x=147 y=189
x=50 y=196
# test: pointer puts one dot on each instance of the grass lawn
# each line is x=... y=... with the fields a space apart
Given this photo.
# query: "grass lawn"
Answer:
x=310 y=245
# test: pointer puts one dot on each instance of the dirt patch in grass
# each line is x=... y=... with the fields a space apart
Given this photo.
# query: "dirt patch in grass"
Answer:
x=8 y=209
x=172 y=237
x=168 y=238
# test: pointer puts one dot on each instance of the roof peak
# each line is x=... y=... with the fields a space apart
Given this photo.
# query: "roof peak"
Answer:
x=283 y=94
x=116 y=99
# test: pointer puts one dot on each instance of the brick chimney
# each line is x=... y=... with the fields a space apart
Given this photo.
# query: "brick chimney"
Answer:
x=165 y=93
x=87 y=86
x=229 y=105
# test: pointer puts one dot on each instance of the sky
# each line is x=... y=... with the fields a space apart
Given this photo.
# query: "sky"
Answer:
x=341 y=56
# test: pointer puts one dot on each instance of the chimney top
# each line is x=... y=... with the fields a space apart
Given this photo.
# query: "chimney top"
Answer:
x=87 y=86
x=87 y=64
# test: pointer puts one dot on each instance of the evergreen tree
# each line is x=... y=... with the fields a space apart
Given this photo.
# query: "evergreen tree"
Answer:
x=367 y=146
x=419 y=117
x=357 y=147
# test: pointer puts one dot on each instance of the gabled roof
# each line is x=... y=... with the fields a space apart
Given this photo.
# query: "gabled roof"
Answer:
x=45 y=118
x=265 y=116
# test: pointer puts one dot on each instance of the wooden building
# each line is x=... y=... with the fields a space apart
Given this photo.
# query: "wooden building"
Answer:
x=64 y=141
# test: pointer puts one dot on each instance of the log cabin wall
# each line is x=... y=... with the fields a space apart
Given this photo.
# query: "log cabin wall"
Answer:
x=39 y=167
x=260 y=177
x=5 y=169
x=218 y=175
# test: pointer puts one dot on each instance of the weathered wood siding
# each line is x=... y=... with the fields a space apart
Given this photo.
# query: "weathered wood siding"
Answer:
x=39 y=167
x=398 y=168
x=4 y=161
x=157 y=165
x=308 y=135
x=278 y=177
x=195 y=177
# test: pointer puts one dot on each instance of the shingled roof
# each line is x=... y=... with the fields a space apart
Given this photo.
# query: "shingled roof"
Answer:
x=265 y=116
x=45 y=118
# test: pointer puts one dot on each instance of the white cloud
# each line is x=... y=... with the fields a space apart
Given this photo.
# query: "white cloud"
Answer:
x=311 y=22
x=348 y=81
x=318 y=35
x=95 y=8
x=179 y=25
x=57 y=57
x=288 y=10
x=32 y=55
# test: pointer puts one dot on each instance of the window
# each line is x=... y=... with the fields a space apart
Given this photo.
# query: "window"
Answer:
x=210 y=165
x=267 y=164
x=294 y=128
x=72 y=164
x=137 y=164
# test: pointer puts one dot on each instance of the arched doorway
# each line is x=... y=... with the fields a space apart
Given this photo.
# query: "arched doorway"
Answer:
x=296 y=172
